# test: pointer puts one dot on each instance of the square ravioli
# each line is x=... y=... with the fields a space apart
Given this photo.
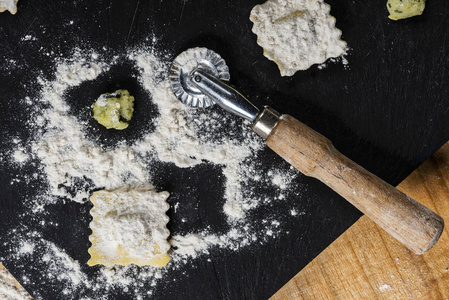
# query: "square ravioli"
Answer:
x=296 y=34
x=129 y=227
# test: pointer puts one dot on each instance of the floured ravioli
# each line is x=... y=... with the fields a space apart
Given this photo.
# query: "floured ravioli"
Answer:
x=296 y=34
x=129 y=227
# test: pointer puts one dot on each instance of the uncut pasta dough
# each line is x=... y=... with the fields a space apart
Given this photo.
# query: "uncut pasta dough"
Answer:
x=296 y=34
x=129 y=227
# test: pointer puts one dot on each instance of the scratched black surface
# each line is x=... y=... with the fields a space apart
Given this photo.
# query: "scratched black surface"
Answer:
x=388 y=112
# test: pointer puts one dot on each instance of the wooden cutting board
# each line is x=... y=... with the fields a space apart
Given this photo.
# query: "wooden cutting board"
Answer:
x=9 y=281
x=366 y=263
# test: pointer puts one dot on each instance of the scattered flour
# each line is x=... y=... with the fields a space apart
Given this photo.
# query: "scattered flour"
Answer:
x=72 y=274
x=20 y=155
x=26 y=248
x=385 y=287
x=29 y=38
x=183 y=136
x=192 y=244
x=296 y=34
x=64 y=149
x=282 y=180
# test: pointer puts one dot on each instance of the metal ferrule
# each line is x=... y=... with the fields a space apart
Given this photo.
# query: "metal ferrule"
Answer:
x=265 y=122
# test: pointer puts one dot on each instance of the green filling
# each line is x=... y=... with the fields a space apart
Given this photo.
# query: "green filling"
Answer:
x=402 y=9
x=114 y=110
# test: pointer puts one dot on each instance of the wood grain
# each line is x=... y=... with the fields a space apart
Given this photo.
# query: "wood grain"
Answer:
x=367 y=263
x=11 y=288
x=413 y=224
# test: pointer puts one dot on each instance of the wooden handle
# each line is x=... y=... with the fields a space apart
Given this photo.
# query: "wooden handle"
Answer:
x=411 y=223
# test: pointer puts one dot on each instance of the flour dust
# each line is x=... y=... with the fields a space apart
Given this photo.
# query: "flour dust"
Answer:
x=69 y=163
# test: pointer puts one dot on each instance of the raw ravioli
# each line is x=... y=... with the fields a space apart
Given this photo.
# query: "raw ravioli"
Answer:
x=129 y=227
x=296 y=34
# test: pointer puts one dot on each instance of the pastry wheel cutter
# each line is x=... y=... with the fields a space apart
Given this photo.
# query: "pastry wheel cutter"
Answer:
x=197 y=78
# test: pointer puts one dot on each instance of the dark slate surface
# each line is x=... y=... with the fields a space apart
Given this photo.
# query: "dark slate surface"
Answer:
x=388 y=112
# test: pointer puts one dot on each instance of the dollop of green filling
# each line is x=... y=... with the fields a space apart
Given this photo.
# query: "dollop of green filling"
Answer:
x=114 y=110
x=402 y=9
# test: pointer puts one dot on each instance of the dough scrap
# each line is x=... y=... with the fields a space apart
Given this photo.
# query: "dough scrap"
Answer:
x=129 y=227
x=296 y=34
x=403 y=9
x=114 y=110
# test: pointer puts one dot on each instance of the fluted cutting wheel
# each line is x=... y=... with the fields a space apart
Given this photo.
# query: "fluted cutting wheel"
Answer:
x=181 y=68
